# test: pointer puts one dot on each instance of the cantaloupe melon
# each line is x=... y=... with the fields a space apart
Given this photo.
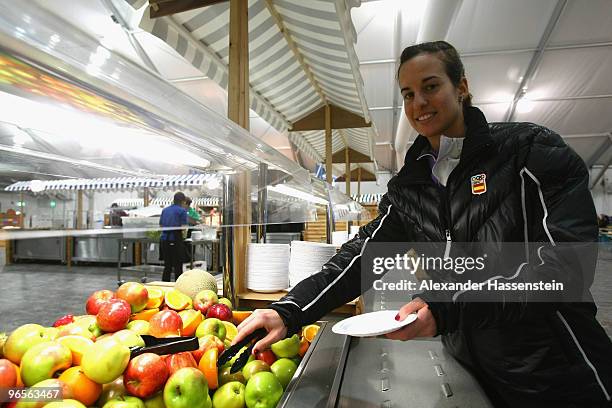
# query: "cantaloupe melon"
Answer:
x=194 y=281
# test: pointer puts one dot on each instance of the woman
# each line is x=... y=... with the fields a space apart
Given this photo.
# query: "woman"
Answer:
x=465 y=180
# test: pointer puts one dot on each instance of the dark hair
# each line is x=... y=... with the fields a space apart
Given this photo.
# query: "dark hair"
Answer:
x=187 y=201
x=179 y=198
x=449 y=57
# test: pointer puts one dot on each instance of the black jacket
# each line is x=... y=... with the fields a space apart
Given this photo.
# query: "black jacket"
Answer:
x=524 y=353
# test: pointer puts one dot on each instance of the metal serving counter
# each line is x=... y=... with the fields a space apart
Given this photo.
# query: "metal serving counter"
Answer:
x=47 y=249
x=98 y=248
x=342 y=372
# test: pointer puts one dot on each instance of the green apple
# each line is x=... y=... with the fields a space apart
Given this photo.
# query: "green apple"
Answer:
x=3 y=338
x=230 y=395
x=156 y=401
x=263 y=391
x=67 y=403
x=111 y=391
x=50 y=333
x=227 y=302
x=253 y=367
x=22 y=339
x=212 y=326
x=225 y=376
x=43 y=360
x=125 y=401
x=287 y=348
x=283 y=369
x=129 y=338
x=187 y=388
x=139 y=326
x=105 y=360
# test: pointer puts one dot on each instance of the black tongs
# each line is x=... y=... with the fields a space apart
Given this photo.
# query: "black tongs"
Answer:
x=242 y=359
x=168 y=345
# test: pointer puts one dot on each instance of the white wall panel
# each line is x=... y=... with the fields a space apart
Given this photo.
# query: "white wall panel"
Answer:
x=574 y=72
x=495 y=78
x=384 y=124
x=584 y=21
x=380 y=85
x=500 y=24
x=494 y=112
x=571 y=117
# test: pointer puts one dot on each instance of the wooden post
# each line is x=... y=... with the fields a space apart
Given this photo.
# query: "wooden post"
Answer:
x=328 y=145
x=234 y=282
x=347 y=180
x=21 y=209
x=358 y=182
x=79 y=210
x=146 y=197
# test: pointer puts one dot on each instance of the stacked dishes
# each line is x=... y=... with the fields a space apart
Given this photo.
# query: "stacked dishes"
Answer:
x=267 y=267
x=307 y=258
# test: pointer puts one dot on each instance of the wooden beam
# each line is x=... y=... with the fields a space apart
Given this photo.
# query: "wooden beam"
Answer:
x=160 y=8
x=347 y=170
x=296 y=52
x=354 y=157
x=79 y=214
x=359 y=181
x=365 y=176
x=328 y=145
x=146 y=197
x=238 y=111
x=341 y=119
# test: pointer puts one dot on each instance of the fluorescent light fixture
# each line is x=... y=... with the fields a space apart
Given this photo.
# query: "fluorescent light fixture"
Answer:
x=92 y=132
x=302 y=195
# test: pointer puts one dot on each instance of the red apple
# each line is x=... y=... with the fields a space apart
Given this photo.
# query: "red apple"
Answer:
x=97 y=299
x=175 y=362
x=203 y=300
x=114 y=315
x=207 y=342
x=135 y=294
x=64 y=320
x=166 y=323
x=145 y=375
x=8 y=374
x=267 y=356
x=220 y=311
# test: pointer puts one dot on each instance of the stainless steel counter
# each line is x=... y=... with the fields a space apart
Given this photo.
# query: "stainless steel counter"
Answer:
x=47 y=249
x=98 y=248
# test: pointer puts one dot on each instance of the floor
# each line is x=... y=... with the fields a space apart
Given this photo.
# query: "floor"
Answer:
x=40 y=293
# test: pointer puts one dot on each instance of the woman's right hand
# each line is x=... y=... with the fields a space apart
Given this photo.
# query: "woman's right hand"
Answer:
x=268 y=319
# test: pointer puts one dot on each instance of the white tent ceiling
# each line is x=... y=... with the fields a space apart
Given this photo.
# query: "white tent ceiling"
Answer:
x=559 y=50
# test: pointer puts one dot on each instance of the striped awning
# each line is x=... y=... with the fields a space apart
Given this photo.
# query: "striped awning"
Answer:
x=166 y=201
x=120 y=183
x=280 y=89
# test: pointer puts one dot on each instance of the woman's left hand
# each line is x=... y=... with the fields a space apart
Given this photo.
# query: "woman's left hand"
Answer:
x=423 y=326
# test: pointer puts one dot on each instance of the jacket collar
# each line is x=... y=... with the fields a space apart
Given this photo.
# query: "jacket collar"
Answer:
x=477 y=138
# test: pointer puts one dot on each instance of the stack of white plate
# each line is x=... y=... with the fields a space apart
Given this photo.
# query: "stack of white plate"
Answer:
x=267 y=267
x=307 y=258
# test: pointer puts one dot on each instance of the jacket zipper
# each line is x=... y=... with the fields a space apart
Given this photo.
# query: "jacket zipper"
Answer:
x=448 y=244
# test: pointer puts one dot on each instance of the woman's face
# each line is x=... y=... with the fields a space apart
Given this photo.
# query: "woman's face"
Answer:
x=431 y=101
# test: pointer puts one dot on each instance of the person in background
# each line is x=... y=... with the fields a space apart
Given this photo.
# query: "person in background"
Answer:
x=115 y=215
x=486 y=184
x=193 y=217
x=173 y=220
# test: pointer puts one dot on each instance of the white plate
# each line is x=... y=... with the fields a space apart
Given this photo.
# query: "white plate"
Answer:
x=372 y=324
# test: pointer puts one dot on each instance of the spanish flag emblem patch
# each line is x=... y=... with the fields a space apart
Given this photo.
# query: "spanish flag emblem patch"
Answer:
x=479 y=184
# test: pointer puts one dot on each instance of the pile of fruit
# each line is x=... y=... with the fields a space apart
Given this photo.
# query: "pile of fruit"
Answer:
x=88 y=356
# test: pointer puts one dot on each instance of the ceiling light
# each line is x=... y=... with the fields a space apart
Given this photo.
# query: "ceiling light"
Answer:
x=524 y=105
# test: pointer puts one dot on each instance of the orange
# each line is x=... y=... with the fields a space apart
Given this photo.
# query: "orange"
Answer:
x=78 y=345
x=191 y=320
x=156 y=298
x=144 y=315
x=310 y=332
x=177 y=300
x=304 y=344
x=83 y=389
x=240 y=315
x=208 y=365
x=230 y=330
